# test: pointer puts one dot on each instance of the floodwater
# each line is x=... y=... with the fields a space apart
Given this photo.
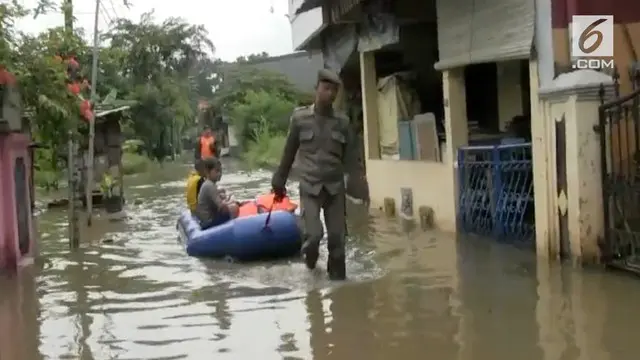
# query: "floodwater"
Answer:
x=132 y=293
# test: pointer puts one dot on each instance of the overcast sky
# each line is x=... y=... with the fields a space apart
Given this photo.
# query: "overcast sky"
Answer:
x=236 y=27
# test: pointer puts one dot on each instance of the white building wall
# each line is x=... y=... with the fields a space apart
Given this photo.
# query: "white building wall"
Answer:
x=304 y=26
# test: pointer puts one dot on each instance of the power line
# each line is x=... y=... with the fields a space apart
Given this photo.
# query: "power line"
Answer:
x=106 y=13
x=113 y=7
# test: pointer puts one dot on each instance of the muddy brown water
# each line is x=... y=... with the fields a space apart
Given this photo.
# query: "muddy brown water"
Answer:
x=410 y=296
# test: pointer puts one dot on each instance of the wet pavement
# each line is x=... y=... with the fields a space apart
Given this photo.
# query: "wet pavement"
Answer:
x=411 y=295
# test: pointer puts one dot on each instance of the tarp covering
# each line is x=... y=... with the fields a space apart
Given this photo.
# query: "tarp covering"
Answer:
x=378 y=29
x=397 y=101
x=339 y=44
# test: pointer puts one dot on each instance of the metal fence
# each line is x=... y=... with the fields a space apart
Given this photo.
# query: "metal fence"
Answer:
x=496 y=192
x=619 y=130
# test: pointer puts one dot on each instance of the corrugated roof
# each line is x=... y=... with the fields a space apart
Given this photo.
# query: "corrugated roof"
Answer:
x=111 y=111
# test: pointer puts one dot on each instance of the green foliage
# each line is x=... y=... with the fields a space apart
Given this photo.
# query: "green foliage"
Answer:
x=163 y=67
x=133 y=146
x=108 y=185
x=135 y=164
x=266 y=147
x=238 y=80
x=251 y=57
x=167 y=67
x=259 y=104
x=47 y=175
x=259 y=113
x=41 y=78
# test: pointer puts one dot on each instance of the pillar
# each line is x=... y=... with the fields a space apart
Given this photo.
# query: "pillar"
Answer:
x=369 y=81
x=509 y=92
x=541 y=149
x=573 y=102
x=456 y=127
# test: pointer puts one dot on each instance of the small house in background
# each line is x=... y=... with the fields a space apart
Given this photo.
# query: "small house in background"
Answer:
x=107 y=169
x=17 y=236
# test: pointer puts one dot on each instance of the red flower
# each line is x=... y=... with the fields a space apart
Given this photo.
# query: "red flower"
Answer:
x=74 y=88
x=6 y=78
x=85 y=110
x=73 y=63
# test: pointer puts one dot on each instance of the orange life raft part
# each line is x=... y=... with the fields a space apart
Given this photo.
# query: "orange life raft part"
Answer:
x=265 y=203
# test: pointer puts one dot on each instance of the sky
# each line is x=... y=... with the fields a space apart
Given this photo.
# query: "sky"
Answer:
x=236 y=27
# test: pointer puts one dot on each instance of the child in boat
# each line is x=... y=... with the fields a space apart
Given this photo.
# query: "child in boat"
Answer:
x=212 y=209
x=194 y=183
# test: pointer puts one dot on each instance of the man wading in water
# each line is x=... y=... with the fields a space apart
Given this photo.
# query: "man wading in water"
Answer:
x=207 y=145
x=323 y=141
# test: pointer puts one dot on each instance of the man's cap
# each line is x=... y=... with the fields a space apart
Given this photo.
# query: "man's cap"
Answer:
x=329 y=76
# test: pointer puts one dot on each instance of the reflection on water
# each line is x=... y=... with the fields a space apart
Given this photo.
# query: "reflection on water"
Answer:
x=410 y=296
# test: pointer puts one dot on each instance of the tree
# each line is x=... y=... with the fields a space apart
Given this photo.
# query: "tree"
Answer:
x=259 y=113
x=251 y=58
x=256 y=98
x=237 y=80
x=166 y=67
x=42 y=77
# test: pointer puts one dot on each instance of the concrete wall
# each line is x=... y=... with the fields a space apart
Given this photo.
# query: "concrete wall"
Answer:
x=432 y=183
x=13 y=146
x=573 y=211
x=300 y=68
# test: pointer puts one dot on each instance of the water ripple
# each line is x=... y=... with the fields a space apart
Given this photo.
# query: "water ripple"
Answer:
x=410 y=295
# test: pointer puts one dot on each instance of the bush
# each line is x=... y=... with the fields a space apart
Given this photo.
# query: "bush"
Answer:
x=266 y=148
x=47 y=180
x=133 y=146
x=47 y=175
x=261 y=113
x=135 y=163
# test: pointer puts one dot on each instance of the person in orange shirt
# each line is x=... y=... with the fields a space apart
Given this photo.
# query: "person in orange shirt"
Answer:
x=207 y=145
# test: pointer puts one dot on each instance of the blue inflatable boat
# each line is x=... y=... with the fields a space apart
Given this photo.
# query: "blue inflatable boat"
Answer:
x=243 y=239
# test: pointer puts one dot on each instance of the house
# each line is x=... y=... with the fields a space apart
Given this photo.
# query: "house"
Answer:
x=442 y=84
x=17 y=235
x=107 y=158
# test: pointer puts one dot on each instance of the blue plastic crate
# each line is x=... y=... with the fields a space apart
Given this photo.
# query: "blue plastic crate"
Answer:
x=406 y=140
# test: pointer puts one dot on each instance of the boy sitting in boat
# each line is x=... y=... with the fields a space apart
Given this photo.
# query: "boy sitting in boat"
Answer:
x=212 y=209
x=194 y=183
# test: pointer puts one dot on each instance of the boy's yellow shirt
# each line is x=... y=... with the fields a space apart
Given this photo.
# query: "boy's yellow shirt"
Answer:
x=191 y=192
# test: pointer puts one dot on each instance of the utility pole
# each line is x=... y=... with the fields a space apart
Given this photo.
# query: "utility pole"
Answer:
x=67 y=9
x=92 y=121
x=72 y=161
